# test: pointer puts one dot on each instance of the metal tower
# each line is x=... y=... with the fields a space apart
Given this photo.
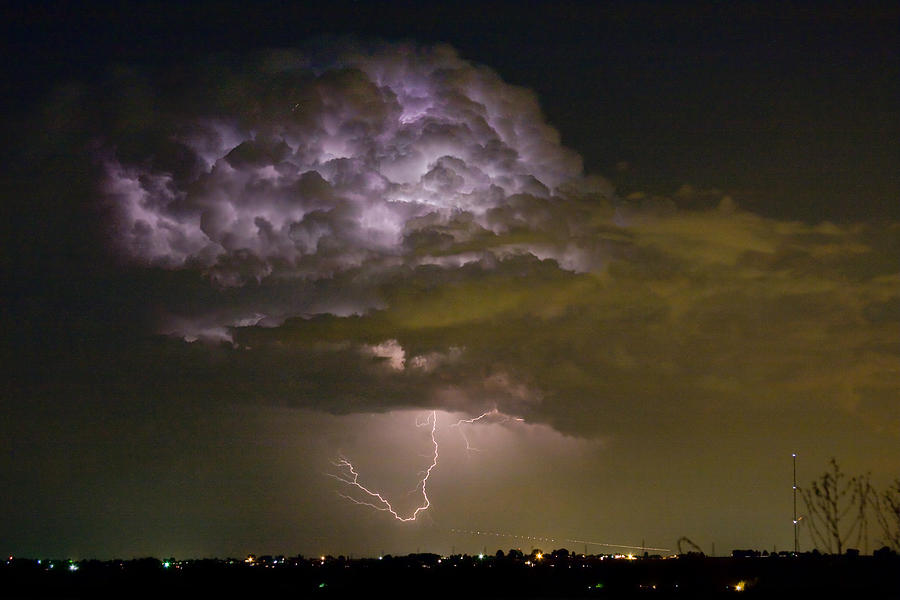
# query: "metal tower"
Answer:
x=796 y=523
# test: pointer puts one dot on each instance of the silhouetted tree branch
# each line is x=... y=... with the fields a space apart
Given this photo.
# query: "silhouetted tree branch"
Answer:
x=837 y=507
x=887 y=511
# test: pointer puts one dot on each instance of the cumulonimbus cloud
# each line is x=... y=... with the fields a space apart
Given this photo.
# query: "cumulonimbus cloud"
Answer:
x=295 y=168
x=394 y=226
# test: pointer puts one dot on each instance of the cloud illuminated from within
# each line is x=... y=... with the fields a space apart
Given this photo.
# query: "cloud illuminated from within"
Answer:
x=391 y=226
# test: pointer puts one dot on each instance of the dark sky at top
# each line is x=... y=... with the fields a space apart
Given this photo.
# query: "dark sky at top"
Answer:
x=657 y=339
x=792 y=108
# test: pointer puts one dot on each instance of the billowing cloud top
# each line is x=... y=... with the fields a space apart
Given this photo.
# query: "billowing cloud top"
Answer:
x=297 y=170
x=394 y=226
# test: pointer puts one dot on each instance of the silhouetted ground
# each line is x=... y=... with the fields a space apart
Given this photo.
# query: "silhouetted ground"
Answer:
x=429 y=576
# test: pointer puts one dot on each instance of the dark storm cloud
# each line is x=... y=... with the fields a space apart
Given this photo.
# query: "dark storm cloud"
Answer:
x=294 y=170
x=373 y=228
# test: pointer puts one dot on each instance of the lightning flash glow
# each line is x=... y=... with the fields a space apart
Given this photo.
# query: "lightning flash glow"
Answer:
x=375 y=499
x=491 y=413
x=366 y=496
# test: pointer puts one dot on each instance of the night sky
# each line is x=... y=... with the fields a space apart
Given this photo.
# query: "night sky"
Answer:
x=656 y=246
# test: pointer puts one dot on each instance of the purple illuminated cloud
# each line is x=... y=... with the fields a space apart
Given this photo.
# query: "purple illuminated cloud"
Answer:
x=404 y=216
x=327 y=169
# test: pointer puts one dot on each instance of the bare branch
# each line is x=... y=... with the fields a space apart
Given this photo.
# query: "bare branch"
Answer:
x=838 y=507
x=887 y=511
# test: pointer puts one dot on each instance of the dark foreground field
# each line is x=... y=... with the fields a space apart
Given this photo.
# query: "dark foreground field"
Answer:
x=428 y=576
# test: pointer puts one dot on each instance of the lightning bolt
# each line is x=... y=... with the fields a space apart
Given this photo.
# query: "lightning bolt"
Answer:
x=347 y=473
x=350 y=476
x=462 y=432
x=375 y=500
x=493 y=412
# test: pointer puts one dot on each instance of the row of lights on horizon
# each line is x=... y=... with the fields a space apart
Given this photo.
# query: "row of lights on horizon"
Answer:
x=252 y=558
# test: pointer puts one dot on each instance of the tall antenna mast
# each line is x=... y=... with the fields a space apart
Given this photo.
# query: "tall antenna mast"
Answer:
x=796 y=523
